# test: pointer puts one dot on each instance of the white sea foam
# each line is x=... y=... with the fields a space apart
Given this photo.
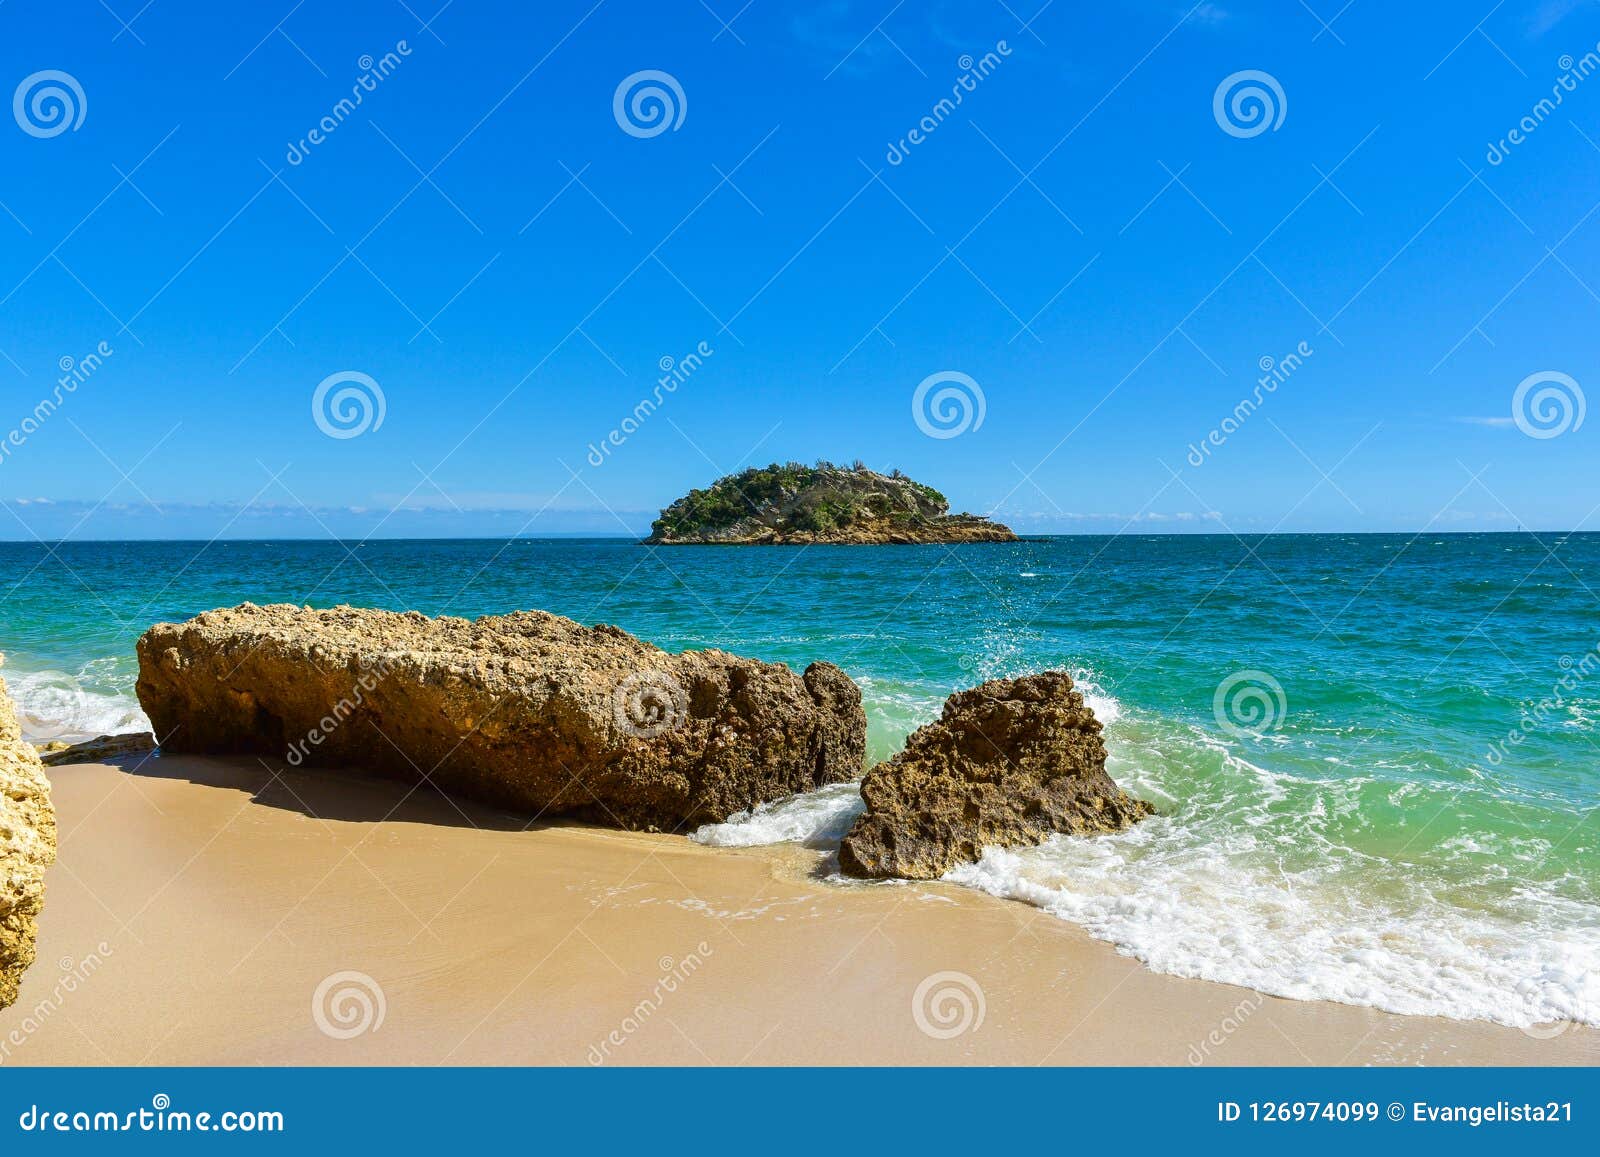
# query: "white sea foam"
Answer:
x=814 y=818
x=1238 y=882
x=59 y=705
x=1202 y=909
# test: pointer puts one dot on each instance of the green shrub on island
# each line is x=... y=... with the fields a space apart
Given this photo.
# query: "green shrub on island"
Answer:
x=793 y=502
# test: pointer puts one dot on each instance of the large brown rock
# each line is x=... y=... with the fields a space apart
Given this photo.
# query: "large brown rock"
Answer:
x=529 y=711
x=27 y=848
x=1008 y=763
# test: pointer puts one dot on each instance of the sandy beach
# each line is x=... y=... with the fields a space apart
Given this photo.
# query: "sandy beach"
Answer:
x=199 y=904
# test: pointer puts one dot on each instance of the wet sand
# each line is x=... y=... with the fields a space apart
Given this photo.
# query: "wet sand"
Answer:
x=198 y=905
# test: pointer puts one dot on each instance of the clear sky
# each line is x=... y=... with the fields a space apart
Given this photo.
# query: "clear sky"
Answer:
x=1105 y=246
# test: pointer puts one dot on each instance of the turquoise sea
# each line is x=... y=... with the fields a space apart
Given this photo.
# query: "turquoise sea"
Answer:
x=1375 y=756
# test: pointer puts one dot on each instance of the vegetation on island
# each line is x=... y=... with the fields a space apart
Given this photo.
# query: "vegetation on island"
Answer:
x=793 y=502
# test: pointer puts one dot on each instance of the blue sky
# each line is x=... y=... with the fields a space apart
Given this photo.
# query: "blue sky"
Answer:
x=1082 y=237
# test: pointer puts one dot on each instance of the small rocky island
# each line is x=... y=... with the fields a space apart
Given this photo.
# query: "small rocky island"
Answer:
x=795 y=504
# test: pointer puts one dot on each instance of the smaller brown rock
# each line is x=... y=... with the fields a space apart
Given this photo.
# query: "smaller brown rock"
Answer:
x=1008 y=763
x=97 y=750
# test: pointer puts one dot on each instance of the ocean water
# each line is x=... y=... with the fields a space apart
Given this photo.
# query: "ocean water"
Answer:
x=1375 y=757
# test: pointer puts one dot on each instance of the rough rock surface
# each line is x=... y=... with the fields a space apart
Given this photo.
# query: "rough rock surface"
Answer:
x=1008 y=763
x=27 y=848
x=529 y=711
x=58 y=753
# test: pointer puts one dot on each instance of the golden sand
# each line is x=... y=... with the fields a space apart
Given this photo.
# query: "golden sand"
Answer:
x=230 y=912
